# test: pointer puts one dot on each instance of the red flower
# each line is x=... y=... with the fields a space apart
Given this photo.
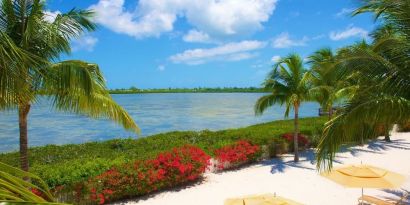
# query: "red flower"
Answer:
x=37 y=192
x=240 y=152
x=302 y=139
x=108 y=191
x=102 y=199
x=167 y=169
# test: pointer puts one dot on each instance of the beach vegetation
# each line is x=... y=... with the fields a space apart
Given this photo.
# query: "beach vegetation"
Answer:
x=35 y=43
x=237 y=154
x=72 y=163
x=14 y=189
x=289 y=83
x=382 y=71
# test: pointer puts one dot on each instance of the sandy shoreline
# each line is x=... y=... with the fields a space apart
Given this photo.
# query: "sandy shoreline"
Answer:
x=300 y=182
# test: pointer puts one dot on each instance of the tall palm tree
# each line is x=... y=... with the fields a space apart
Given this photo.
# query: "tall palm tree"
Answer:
x=288 y=82
x=327 y=81
x=383 y=73
x=33 y=47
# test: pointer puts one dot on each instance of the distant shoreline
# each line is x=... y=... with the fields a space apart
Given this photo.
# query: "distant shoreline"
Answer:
x=189 y=90
x=151 y=92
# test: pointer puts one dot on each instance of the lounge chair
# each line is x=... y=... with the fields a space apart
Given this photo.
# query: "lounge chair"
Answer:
x=373 y=200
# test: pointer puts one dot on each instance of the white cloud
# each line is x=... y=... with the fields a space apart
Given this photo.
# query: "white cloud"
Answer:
x=216 y=18
x=149 y=20
x=161 y=67
x=227 y=52
x=51 y=15
x=283 y=40
x=240 y=56
x=196 y=36
x=347 y=33
x=86 y=42
x=275 y=59
x=344 y=12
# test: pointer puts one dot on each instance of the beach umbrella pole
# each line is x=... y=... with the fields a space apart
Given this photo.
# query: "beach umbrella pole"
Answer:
x=362 y=197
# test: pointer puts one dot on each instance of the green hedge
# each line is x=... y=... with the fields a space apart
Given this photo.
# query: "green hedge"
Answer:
x=67 y=164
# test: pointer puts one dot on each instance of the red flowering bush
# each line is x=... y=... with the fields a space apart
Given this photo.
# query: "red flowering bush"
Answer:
x=168 y=169
x=38 y=193
x=302 y=139
x=233 y=155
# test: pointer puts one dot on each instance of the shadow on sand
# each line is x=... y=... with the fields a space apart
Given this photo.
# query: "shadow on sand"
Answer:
x=376 y=147
x=279 y=165
x=397 y=194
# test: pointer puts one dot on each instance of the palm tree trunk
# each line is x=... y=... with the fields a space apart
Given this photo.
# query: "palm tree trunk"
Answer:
x=361 y=137
x=296 y=133
x=330 y=113
x=23 y=109
x=386 y=133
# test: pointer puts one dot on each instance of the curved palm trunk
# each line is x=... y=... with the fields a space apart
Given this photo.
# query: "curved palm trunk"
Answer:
x=295 y=134
x=23 y=111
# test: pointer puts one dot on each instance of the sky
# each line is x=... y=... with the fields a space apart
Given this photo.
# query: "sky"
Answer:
x=207 y=43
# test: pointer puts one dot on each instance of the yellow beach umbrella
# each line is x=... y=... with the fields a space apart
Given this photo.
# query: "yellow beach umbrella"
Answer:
x=266 y=199
x=365 y=176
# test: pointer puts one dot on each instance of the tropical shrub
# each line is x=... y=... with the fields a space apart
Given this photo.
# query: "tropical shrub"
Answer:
x=236 y=154
x=302 y=140
x=167 y=169
x=72 y=163
x=315 y=136
x=404 y=126
x=278 y=146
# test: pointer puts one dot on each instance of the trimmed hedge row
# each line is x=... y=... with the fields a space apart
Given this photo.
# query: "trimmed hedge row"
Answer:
x=232 y=156
x=168 y=169
x=69 y=164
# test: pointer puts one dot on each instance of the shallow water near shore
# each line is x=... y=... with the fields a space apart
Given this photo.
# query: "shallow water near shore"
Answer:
x=154 y=113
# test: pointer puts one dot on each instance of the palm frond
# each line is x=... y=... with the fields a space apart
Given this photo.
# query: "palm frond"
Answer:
x=267 y=101
x=288 y=82
x=350 y=125
x=14 y=189
x=79 y=87
x=13 y=60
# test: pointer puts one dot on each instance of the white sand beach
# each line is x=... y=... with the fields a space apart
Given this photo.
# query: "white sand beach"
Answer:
x=300 y=182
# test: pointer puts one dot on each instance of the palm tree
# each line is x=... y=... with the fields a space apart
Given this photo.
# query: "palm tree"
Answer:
x=288 y=82
x=15 y=190
x=29 y=67
x=326 y=79
x=383 y=72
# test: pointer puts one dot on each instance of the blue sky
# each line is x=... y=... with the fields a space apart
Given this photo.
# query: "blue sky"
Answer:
x=207 y=43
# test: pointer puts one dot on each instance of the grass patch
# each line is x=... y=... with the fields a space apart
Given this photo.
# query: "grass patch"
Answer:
x=68 y=164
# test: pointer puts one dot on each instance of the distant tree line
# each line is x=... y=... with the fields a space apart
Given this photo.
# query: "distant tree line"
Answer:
x=133 y=90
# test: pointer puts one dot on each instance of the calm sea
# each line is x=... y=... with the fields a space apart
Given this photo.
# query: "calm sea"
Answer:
x=154 y=113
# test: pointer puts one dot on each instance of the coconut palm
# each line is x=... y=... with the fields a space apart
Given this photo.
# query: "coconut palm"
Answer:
x=327 y=81
x=30 y=67
x=383 y=72
x=288 y=82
